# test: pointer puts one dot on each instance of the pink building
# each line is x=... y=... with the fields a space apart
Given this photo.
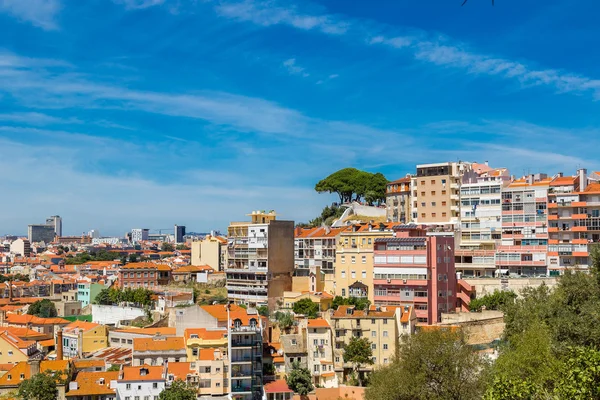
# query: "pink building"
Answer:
x=414 y=269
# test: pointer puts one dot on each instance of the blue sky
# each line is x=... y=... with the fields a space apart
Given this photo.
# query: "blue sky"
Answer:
x=146 y=113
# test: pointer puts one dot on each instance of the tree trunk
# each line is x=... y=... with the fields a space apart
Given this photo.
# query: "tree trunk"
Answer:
x=358 y=375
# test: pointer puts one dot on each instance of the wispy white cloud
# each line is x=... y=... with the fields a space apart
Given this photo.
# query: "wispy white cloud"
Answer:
x=139 y=4
x=268 y=13
x=40 y=13
x=38 y=119
x=294 y=69
x=424 y=46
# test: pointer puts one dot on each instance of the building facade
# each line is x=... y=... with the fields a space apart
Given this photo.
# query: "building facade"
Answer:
x=212 y=251
x=436 y=192
x=40 y=233
x=260 y=259
x=245 y=355
x=397 y=200
x=87 y=292
x=319 y=343
x=139 y=235
x=573 y=222
x=416 y=269
x=524 y=246
x=314 y=248
x=480 y=220
x=354 y=258
x=179 y=231
x=141 y=382
x=56 y=222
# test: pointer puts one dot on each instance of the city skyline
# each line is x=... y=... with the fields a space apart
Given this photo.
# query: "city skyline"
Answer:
x=197 y=112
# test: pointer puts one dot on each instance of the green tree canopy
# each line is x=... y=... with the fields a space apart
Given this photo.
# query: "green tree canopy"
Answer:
x=306 y=307
x=494 y=301
x=39 y=387
x=435 y=364
x=43 y=309
x=263 y=310
x=140 y=296
x=167 y=247
x=358 y=352
x=300 y=379
x=353 y=184
x=360 y=303
x=285 y=320
x=179 y=390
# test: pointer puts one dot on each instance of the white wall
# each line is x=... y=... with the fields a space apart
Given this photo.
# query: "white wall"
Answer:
x=111 y=315
x=140 y=388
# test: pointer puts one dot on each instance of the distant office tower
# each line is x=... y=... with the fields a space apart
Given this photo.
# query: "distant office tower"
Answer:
x=179 y=233
x=56 y=222
x=40 y=233
x=260 y=259
x=94 y=234
x=139 y=235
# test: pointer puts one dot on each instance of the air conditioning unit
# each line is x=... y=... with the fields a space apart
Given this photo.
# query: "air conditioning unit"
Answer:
x=389 y=281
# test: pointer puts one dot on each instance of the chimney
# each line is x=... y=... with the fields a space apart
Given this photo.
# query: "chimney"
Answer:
x=34 y=366
x=10 y=291
x=582 y=172
x=59 y=345
x=559 y=175
x=486 y=164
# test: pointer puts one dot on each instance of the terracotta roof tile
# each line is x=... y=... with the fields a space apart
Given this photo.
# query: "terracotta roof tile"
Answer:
x=94 y=384
x=318 y=323
x=142 y=373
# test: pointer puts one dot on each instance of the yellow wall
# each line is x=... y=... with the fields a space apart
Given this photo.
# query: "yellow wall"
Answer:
x=203 y=344
x=17 y=355
x=95 y=339
x=357 y=245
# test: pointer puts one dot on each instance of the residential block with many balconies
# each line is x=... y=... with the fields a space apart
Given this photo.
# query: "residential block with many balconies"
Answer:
x=524 y=227
x=260 y=259
x=314 y=248
x=397 y=200
x=415 y=269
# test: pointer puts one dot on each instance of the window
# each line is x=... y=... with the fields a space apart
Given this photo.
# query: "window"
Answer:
x=385 y=333
x=353 y=260
x=218 y=384
x=374 y=360
x=343 y=292
x=373 y=346
x=146 y=397
x=316 y=368
x=315 y=342
x=433 y=215
x=353 y=274
x=443 y=192
x=343 y=274
x=443 y=214
x=294 y=342
x=372 y=320
x=22 y=376
x=443 y=203
x=364 y=274
x=315 y=354
x=385 y=346
x=128 y=386
x=364 y=241
x=385 y=360
x=423 y=204
x=137 y=397
x=433 y=204
x=364 y=259
x=373 y=334
x=433 y=192
x=343 y=259
x=369 y=240
x=337 y=359
x=422 y=215
x=385 y=321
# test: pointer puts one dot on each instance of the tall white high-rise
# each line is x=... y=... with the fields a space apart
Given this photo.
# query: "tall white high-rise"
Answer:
x=139 y=235
x=56 y=222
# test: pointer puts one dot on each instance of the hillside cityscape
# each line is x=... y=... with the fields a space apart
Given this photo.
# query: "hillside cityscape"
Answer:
x=299 y=200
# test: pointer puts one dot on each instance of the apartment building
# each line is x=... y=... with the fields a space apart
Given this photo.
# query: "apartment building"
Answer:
x=573 y=222
x=139 y=235
x=143 y=275
x=319 y=343
x=436 y=192
x=198 y=340
x=524 y=227
x=397 y=200
x=377 y=324
x=87 y=292
x=416 y=269
x=141 y=382
x=354 y=260
x=480 y=219
x=158 y=350
x=81 y=337
x=314 y=248
x=260 y=259
x=123 y=338
x=93 y=385
x=212 y=251
x=245 y=349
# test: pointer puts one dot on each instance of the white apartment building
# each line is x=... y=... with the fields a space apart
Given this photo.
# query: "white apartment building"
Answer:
x=245 y=348
x=141 y=383
x=260 y=259
x=139 y=235
x=320 y=353
x=480 y=220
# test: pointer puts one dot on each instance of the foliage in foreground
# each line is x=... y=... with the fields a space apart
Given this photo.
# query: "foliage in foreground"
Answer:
x=360 y=303
x=434 y=364
x=306 y=307
x=112 y=296
x=300 y=380
x=494 y=301
x=358 y=351
x=39 y=387
x=179 y=390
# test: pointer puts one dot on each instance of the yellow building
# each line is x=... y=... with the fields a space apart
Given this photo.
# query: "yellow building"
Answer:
x=378 y=324
x=212 y=251
x=324 y=299
x=198 y=339
x=354 y=259
x=14 y=350
x=81 y=337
